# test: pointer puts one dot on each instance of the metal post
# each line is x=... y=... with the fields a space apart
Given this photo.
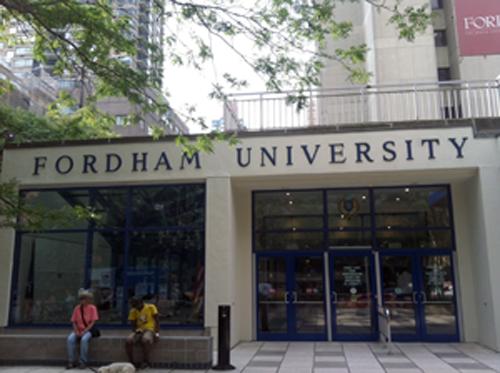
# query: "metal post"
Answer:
x=224 y=339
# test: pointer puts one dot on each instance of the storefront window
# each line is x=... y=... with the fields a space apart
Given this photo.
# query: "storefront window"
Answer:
x=349 y=209
x=289 y=220
x=412 y=207
x=142 y=241
x=169 y=268
x=412 y=217
x=62 y=201
x=386 y=218
x=289 y=210
x=51 y=269
x=106 y=276
x=110 y=206
x=176 y=205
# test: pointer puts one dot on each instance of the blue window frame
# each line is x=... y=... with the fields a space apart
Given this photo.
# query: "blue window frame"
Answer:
x=407 y=217
x=144 y=240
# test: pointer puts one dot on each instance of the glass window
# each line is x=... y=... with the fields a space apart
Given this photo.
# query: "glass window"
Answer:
x=440 y=39
x=349 y=209
x=444 y=74
x=412 y=207
x=414 y=239
x=341 y=238
x=63 y=201
x=165 y=261
x=289 y=210
x=50 y=272
x=168 y=267
x=110 y=206
x=106 y=275
x=178 y=205
x=436 y=4
x=289 y=241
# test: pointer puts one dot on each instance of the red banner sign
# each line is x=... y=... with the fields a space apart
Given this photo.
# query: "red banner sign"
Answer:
x=478 y=26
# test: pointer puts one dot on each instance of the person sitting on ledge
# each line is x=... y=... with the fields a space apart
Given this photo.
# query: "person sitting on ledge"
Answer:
x=84 y=317
x=145 y=324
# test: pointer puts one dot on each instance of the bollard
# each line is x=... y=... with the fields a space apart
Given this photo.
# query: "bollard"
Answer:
x=224 y=343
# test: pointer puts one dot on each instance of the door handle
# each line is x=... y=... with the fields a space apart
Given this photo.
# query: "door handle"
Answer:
x=334 y=297
x=286 y=297
x=414 y=297
x=295 y=298
x=424 y=297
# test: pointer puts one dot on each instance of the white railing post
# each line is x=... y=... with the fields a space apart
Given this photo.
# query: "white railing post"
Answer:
x=415 y=99
x=261 y=109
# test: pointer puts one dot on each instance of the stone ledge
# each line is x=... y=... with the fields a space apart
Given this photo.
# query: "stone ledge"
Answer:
x=185 y=352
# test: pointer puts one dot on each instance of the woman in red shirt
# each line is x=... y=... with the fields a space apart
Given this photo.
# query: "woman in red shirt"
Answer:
x=84 y=317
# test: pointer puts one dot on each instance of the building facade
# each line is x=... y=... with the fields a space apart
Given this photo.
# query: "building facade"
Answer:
x=304 y=233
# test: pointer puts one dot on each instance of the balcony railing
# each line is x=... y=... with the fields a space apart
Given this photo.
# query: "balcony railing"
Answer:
x=363 y=105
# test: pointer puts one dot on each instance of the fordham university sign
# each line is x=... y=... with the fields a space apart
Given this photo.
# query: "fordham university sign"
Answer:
x=264 y=156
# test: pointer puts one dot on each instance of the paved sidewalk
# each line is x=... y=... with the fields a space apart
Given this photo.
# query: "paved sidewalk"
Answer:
x=332 y=357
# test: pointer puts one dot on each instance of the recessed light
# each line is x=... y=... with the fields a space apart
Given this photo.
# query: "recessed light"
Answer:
x=407 y=190
x=287 y=194
x=290 y=202
x=363 y=197
x=398 y=199
x=389 y=227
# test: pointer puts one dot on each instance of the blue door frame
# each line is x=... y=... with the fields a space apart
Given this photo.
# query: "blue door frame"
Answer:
x=421 y=333
x=291 y=333
x=336 y=335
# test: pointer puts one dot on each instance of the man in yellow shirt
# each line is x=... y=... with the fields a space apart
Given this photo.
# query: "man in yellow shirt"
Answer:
x=145 y=324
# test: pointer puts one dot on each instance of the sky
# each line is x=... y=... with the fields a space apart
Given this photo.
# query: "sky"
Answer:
x=188 y=86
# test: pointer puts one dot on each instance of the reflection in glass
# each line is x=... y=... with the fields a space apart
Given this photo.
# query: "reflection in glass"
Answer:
x=110 y=205
x=350 y=239
x=107 y=275
x=289 y=210
x=289 y=241
x=412 y=207
x=168 y=268
x=438 y=295
x=50 y=272
x=308 y=296
x=398 y=293
x=272 y=295
x=173 y=205
x=392 y=239
x=63 y=201
x=349 y=208
x=352 y=295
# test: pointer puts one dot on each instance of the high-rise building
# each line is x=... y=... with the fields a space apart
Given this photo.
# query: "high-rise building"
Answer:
x=146 y=26
x=435 y=55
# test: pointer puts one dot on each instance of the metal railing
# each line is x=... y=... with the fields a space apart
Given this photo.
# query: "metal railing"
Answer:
x=363 y=105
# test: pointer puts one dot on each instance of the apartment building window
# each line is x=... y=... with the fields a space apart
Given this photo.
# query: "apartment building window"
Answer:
x=23 y=62
x=23 y=50
x=121 y=120
x=444 y=74
x=440 y=39
x=437 y=4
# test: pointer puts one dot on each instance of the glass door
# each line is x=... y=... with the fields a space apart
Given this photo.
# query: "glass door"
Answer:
x=308 y=298
x=353 y=296
x=418 y=288
x=290 y=297
x=437 y=298
x=399 y=294
x=272 y=297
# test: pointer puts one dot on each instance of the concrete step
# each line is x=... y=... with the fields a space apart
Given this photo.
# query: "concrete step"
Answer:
x=181 y=352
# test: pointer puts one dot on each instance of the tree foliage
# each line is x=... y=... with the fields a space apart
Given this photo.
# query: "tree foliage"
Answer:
x=87 y=38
